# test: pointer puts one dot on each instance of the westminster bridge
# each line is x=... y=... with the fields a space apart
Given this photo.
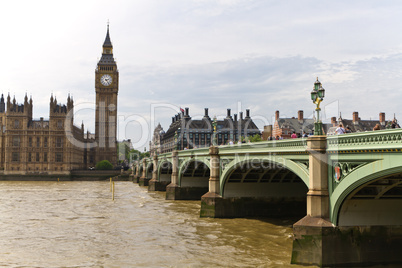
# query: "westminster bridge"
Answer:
x=347 y=190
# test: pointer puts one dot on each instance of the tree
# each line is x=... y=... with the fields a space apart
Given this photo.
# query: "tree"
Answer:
x=104 y=165
x=137 y=155
x=123 y=151
x=255 y=138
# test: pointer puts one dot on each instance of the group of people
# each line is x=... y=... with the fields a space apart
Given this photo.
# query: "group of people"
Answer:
x=341 y=130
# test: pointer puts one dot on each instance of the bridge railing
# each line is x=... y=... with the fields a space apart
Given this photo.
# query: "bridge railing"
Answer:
x=275 y=146
x=369 y=140
x=388 y=139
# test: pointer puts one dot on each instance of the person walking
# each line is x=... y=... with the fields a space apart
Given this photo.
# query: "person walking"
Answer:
x=395 y=124
x=340 y=129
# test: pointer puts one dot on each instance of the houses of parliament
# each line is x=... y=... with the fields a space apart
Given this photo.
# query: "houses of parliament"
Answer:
x=56 y=145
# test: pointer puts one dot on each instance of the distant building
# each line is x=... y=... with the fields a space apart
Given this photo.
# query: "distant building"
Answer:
x=356 y=124
x=155 y=143
x=284 y=127
x=199 y=133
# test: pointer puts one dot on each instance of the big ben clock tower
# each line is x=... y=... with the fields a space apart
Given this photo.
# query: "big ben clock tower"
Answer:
x=106 y=88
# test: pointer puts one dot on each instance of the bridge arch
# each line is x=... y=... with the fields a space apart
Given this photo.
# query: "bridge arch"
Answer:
x=149 y=169
x=140 y=169
x=370 y=195
x=292 y=166
x=165 y=169
x=194 y=173
x=263 y=187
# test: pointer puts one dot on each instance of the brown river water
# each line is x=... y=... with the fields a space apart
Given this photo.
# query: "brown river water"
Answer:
x=77 y=224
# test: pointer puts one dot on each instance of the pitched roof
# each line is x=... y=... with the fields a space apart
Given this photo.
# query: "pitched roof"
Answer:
x=294 y=124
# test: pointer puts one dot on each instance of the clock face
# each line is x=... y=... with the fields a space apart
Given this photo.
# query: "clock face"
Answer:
x=106 y=80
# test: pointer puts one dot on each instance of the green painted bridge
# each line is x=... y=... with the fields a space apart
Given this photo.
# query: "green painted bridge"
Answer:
x=347 y=190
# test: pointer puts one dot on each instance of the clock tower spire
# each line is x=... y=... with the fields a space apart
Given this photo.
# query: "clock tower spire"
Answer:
x=106 y=88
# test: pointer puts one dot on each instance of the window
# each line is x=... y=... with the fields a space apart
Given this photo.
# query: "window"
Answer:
x=15 y=157
x=16 y=124
x=59 y=124
x=59 y=157
x=45 y=157
x=45 y=142
x=59 y=142
x=16 y=141
x=37 y=157
x=37 y=142
x=30 y=142
x=29 y=157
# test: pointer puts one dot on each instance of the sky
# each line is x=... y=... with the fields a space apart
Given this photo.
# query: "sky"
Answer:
x=217 y=54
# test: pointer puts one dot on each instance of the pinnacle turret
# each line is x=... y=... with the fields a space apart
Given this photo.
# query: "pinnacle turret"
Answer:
x=107 y=42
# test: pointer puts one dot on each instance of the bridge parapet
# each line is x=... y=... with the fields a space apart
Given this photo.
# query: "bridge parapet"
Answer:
x=390 y=139
x=291 y=146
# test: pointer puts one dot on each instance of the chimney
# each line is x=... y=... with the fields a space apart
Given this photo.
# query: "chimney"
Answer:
x=247 y=113
x=228 y=114
x=382 y=119
x=355 y=117
x=206 y=112
x=173 y=119
x=241 y=115
x=300 y=116
x=276 y=115
x=186 y=112
x=235 y=117
x=333 y=121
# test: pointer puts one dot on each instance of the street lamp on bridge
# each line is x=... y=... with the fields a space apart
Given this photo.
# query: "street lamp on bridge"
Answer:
x=214 y=124
x=317 y=96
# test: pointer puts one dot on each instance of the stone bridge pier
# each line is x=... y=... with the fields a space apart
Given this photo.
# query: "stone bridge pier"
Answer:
x=318 y=241
x=145 y=178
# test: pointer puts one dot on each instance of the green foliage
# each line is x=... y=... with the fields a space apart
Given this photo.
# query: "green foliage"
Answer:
x=255 y=138
x=123 y=151
x=104 y=165
x=137 y=155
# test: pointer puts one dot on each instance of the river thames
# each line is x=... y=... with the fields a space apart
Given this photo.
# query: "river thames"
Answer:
x=77 y=224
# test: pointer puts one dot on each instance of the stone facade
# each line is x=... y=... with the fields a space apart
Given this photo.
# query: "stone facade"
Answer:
x=56 y=145
x=191 y=133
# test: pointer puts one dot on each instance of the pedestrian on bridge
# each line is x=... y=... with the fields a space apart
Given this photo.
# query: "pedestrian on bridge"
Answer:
x=340 y=129
x=377 y=127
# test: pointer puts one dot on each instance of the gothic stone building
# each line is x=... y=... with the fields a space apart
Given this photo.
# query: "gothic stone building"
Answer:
x=56 y=145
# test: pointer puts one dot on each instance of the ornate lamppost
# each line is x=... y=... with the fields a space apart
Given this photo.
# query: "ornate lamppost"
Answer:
x=317 y=96
x=214 y=124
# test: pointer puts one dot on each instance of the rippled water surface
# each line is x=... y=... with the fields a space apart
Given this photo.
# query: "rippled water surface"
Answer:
x=76 y=224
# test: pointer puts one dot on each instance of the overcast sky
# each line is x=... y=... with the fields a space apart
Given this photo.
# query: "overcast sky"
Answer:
x=238 y=54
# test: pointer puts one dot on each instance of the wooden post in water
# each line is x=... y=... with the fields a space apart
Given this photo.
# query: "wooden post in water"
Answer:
x=113 y=192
